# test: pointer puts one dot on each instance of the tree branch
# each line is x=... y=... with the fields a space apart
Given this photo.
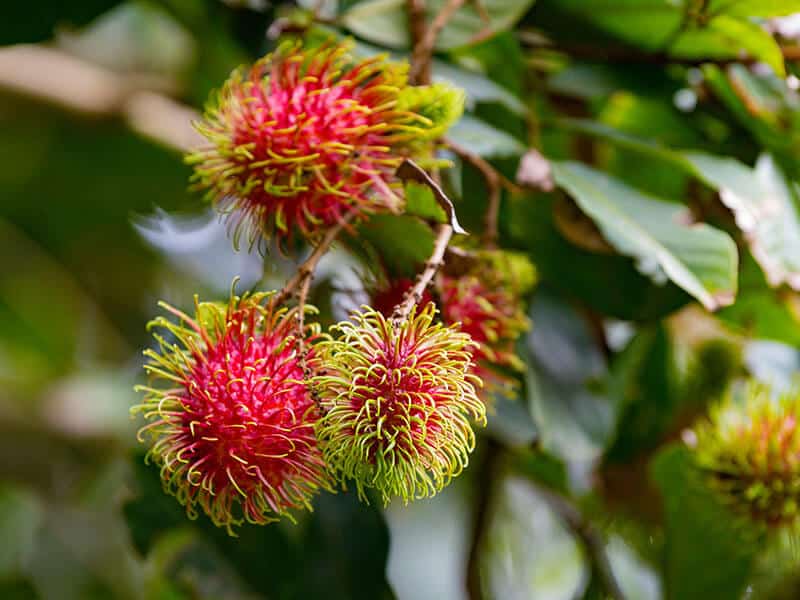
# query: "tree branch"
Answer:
x=418 y=73
x=493 y=182
x=591 y=540
x=619 y=54
x=423 y=48
x=443 y=234
x=481 y=517
x=306 y=270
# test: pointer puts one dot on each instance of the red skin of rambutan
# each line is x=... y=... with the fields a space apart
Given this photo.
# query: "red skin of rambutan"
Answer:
x=489 y=315
x=236 y=434
x=303 y=137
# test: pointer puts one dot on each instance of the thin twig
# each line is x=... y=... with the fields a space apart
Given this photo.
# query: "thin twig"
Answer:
x=493 y=182
x=591 y=540
x=415 y=9
x=480 y=520
x=306 y=270
x=302 y=351
x=423 y=49
x=443 y=234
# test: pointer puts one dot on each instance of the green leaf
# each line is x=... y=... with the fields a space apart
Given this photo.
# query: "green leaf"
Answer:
x=478 y=87
x=385 y=22
x=762 y=199
x=727 y=37
x=643 y=386
x=574 y=423
x=21 y=514
x=707 y=555
x=765 y=207
x=635 y=297
x=403 y=242
x=645 y=23
x=483 y=139
x=698 y=258
x=660 y=26
x=754 y=8
x=420 y=202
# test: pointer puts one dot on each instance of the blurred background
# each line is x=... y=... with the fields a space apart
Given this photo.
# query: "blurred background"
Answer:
x=97 y=224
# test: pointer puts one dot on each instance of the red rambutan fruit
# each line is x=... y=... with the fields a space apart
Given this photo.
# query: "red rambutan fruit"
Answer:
x=491 y=316
x=230 y=419
x=305 y=135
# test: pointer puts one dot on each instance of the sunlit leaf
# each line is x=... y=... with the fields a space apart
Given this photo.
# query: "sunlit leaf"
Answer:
x=698 y=258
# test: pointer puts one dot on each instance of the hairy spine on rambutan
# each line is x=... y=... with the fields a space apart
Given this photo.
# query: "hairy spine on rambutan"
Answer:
x=398 y=402
x=307 y=134
x=230 y=419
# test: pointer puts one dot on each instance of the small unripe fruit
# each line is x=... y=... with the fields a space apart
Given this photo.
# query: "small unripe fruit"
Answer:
x=749 y=447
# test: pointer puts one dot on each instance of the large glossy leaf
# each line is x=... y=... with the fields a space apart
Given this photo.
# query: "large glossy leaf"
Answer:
x=633 y=297
x=698 y=258
x=762 y=199
x=765 y=206
x=385 y=21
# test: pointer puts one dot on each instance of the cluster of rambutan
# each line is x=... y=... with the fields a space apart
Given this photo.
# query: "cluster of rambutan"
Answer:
x=483 y=293
x=243 y=433
x=250 y=411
